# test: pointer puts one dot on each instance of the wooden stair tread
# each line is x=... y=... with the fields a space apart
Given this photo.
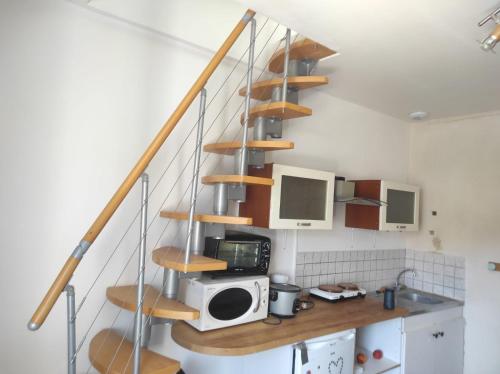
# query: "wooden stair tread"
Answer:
x=237 y=179
x=263 y=90
x=299 y=50
x=279 y=109
x=154 y=303
x=207 y=218
x=107 y=343
x=173 y=258
x=230 y=148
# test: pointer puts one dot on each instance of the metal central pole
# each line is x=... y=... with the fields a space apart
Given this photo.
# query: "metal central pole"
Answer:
x=196 y=171
x=248 y=96
x=70 y=295
x=284 y=90
x=140 y=283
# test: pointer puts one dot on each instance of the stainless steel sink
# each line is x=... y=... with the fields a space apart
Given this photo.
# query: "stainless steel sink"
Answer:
x=419 y=298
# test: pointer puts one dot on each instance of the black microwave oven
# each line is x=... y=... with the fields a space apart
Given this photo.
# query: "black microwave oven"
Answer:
x=245 y=253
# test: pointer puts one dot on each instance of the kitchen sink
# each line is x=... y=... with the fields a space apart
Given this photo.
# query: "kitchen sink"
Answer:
x=419 y=298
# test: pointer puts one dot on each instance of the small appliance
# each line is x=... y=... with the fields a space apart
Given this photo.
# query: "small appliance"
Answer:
x=330 y=354
x=245 y=253
x=337 y=295
x=224 y=302
x=284 y=300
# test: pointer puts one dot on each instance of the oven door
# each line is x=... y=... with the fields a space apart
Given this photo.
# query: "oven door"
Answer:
x=241 y=256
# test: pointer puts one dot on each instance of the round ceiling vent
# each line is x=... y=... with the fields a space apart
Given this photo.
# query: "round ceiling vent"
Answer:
x=418 y=116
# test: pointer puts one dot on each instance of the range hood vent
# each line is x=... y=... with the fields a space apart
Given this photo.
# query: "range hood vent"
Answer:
x=344 y=193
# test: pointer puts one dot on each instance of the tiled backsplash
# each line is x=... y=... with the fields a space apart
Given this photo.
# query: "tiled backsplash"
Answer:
x=436 y=273
x=372 y=269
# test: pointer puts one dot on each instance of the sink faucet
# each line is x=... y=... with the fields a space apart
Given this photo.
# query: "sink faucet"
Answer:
x=398 y=282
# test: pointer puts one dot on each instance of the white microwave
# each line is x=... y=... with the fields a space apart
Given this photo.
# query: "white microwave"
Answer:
x=399 y=210
x=227 y=301
x=299 y=198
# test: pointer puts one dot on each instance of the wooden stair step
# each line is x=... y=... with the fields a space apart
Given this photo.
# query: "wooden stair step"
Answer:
x=299 y=50
x=110 y=353
x=207 y=218
x=263 y=90
x=237 y=179
x=278 y=109
x=173 y=258
x=154 y=303
x=230 y=148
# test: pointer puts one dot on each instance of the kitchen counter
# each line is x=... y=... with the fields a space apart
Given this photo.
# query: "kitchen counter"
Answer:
x=325 y=318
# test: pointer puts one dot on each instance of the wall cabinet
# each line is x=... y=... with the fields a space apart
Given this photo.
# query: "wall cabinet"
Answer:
x=433 y=348
x=399 y=212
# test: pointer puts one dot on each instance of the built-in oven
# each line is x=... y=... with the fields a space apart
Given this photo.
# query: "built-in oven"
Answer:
x=224 y=302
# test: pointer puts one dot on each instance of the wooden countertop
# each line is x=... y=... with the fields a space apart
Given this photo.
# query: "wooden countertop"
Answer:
x=325 y=318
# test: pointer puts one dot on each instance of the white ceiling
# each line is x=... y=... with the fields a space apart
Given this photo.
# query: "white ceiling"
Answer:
x=398 y=56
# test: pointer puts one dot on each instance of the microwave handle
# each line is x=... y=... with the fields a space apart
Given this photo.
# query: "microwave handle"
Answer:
x=256 y=309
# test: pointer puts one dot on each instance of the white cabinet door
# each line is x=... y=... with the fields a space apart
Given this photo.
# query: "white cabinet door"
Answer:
x=419 y=351
x=435 y=349
x=450 y=347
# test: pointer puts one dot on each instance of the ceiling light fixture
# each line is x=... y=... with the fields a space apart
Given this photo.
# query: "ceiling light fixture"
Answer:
x=491 y=40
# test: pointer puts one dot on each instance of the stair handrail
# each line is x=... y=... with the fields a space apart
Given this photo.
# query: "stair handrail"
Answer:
x=102 y=219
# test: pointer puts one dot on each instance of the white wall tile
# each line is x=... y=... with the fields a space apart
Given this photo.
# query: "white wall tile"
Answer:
x=459 y=284
x=438 y=258
x=449 y=271
x=449 y=292
x=331 y=268
x=299 y=270
x=316 y=269
x=324 y=268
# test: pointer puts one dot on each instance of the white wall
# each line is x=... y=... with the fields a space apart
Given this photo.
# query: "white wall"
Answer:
x=456 y=162
x=353 y=142
x=81 y=96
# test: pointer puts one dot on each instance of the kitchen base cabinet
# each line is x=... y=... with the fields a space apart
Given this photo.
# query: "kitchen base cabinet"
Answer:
x=433 y=345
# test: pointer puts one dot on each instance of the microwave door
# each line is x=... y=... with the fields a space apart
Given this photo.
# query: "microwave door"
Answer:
x=230 y=304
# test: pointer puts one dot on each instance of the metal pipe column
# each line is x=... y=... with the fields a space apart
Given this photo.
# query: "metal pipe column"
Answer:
x=70 y=295
x=196 y=170
x=248 y=96
x=284 y=90
x=140 y=283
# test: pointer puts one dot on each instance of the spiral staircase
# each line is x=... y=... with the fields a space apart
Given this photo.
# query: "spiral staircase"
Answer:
x=277 y=100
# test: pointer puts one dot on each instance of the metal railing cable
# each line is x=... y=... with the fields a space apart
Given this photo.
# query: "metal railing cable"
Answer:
x=185 y=192
x=187 y=163
x=161 y=235
x=148 y=319
x=87 y=293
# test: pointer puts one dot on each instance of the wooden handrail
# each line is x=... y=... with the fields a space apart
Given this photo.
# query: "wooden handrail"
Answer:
x=71 y=264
